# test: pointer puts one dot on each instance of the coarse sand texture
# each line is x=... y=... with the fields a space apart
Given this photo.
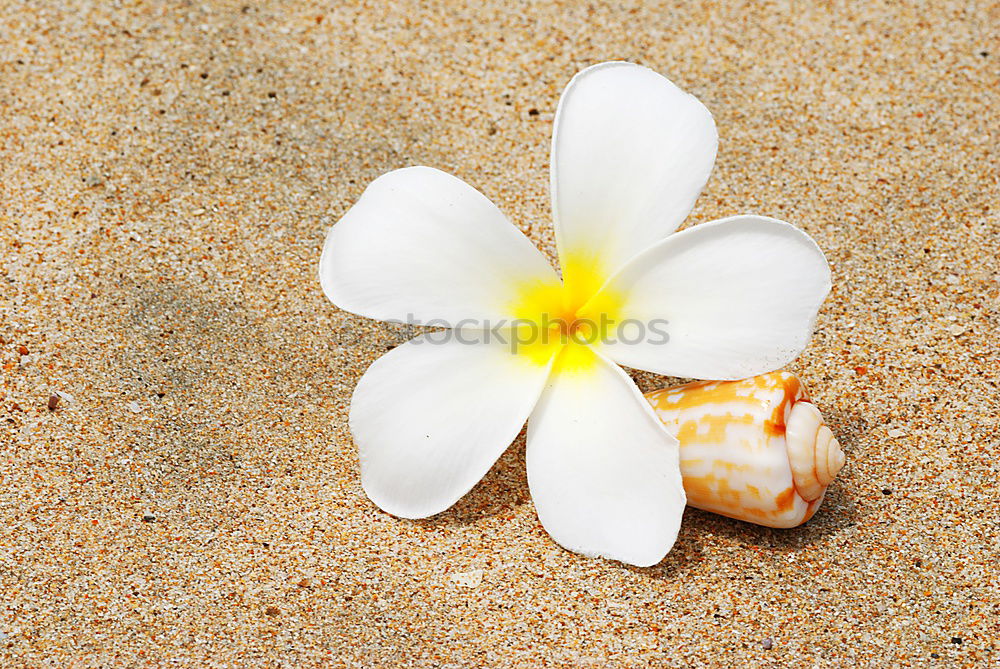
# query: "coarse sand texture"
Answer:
x=178 y=484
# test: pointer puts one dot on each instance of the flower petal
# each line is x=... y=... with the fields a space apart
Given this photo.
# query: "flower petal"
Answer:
x=727 y=299
x=421 y=246
x=604 y=472
x=432 y=416
x=630 y=153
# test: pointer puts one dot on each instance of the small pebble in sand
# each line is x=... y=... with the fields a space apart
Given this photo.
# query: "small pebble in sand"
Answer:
x=957 y=640
x=53 y=402
x=134 y=407
x=468 y=579
x=956 y=330
x=22 y=350
x=767 y=644
x=272 y=610
x=148 y=518
x=896 y=432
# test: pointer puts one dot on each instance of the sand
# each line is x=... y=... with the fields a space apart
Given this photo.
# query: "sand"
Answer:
x=168 y=171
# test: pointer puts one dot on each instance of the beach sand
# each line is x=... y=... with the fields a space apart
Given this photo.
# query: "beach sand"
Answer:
x=168 y=172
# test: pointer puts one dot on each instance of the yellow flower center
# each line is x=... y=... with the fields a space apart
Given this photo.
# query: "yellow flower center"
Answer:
x=565 y=318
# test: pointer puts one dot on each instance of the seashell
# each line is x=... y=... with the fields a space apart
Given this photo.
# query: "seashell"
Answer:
x=756 y=450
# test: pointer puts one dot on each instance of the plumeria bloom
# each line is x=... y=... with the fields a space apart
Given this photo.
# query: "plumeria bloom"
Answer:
x=738 y=297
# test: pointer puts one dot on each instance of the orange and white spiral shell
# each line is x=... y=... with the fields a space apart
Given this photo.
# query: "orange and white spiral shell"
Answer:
x=757 y=449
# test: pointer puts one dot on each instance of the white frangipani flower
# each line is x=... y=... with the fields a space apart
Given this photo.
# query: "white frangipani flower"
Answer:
x=630 y=153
